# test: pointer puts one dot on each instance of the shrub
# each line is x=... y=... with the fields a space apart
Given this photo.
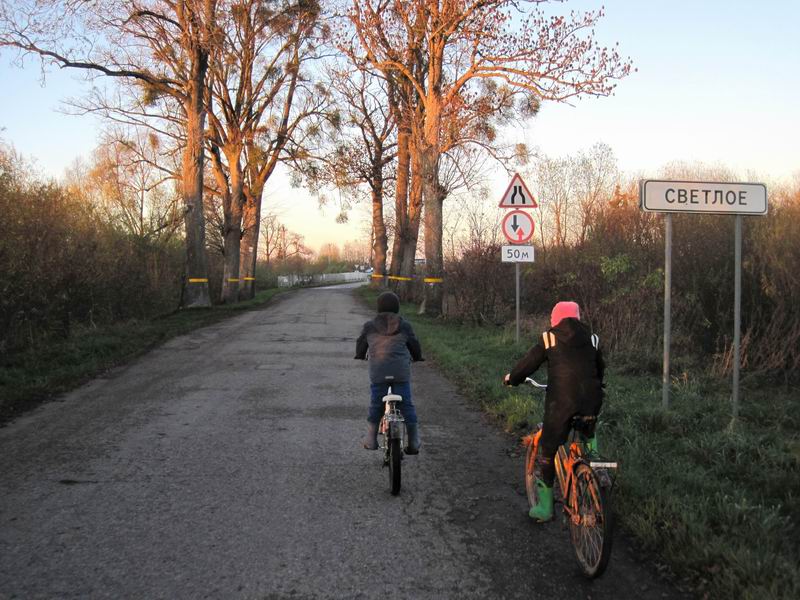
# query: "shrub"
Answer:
x=63 y=265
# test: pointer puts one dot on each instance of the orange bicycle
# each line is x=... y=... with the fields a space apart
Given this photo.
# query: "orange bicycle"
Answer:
x=585 y=484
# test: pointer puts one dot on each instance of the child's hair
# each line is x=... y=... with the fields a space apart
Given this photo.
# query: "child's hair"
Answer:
x=388 y=302
x=564 y=310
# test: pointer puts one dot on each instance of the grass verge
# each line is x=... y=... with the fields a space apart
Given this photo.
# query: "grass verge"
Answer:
x=31 y=377
x=719 y=504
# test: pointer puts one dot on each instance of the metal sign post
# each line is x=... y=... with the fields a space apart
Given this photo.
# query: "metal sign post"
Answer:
x=667 y=308
x=737 y=315
x=517 y=255
x=710 y=198
x=516 y=272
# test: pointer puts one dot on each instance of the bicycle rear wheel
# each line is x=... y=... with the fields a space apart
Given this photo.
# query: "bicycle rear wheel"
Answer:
x=592 y=535
x=394 y=465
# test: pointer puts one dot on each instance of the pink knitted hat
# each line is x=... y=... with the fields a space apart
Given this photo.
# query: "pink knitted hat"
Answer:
x=564 y=310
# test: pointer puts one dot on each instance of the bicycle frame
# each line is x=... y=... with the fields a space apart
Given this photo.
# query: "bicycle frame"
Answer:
x=569 y=455
x=566 y=459
x=565 y=462
x=392 y=423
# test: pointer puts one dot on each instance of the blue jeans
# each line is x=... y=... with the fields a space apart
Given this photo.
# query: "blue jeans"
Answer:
x=379 y=390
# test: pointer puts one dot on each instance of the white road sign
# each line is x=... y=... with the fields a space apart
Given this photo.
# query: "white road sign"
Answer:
x=517 y=195
x=517 y=227
x=703 y=197
x=513 y=254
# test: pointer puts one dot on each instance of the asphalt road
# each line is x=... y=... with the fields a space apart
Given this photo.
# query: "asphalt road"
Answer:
x=227 y=464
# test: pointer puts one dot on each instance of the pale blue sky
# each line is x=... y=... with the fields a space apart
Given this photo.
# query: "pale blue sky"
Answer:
x=718 y=82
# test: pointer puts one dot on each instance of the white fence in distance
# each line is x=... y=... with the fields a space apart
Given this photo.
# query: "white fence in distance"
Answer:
x=324 y=278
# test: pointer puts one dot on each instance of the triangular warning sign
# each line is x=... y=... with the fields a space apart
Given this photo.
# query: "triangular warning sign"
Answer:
x=517 y=195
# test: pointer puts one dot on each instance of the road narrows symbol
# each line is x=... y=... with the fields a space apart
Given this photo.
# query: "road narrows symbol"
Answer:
x=517 y=195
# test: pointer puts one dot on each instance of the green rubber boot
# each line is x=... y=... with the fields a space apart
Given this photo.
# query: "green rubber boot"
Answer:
x=543 y=511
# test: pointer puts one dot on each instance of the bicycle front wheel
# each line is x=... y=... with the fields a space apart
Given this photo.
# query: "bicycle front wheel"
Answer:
x=592 y=528
x=394 y=465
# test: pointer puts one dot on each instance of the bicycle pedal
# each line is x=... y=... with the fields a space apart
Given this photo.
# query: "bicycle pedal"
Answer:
x=602 y=464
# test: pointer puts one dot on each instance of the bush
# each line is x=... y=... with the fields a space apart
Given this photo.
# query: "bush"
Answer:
x=63 y=266
x=617 y=276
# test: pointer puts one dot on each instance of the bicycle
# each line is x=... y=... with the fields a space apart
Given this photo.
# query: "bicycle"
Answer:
x=392 y=428
x=585 y=484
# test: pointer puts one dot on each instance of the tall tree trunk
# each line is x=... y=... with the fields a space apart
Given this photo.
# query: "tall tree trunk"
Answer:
x=379 y=241
x=434 y=263
x=232 y=233
x=251 y=221
x=409 y=247
x=400 y=204
x=195 y=292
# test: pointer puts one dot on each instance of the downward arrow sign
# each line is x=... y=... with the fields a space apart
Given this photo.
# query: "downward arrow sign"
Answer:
x=514 y=225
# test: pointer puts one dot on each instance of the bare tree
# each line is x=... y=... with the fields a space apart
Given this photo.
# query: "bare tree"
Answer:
x=290 y=115
x=361 y=147
x=571 y=192
x=165 y=46
x=268 y=240
x=556 y=192
x=596 y=177
x=257 y=61
x=134 y=193
x=463 y=43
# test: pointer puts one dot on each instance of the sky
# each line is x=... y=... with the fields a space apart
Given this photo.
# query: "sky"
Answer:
x=717 y=81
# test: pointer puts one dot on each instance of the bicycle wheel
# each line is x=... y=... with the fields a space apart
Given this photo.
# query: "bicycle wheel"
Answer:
x=592 y=535
x=530 y=477
x=394 y=465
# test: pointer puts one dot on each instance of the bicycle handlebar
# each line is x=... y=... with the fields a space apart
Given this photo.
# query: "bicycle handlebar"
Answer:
x=535 y=383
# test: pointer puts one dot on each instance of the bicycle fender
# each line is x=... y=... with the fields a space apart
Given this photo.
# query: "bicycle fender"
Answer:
x=395 y=430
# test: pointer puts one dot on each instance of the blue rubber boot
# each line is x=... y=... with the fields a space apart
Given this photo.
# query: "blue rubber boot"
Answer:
x=371 y=439
x=543 y=511
x=413 y=443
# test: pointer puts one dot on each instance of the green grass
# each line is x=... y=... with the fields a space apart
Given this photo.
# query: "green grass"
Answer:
x=719 y=504
x=31 y=377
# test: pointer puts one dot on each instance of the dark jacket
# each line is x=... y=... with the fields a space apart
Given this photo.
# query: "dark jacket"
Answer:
x=392 y=345
x=575 y=366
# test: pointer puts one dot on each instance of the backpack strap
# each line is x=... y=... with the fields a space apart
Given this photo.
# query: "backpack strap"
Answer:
x=595 y=341
x=549 y=339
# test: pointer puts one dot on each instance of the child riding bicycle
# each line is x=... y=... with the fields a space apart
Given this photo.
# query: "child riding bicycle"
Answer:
x=392 y=346
x=574 y=387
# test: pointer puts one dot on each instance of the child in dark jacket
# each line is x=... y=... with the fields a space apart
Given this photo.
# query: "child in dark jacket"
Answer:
x=575 y=370
x=392 y=346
